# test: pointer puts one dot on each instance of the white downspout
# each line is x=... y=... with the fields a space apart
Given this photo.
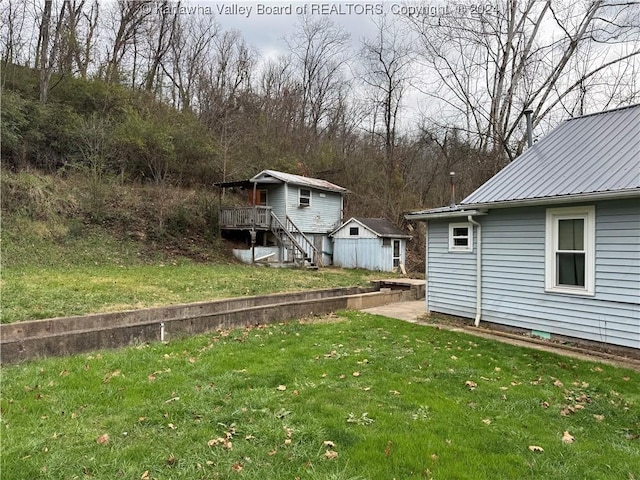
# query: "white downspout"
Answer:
x=426 y=263
x=478 y=270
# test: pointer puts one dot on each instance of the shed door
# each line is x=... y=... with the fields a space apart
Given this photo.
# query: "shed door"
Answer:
x=396 y=253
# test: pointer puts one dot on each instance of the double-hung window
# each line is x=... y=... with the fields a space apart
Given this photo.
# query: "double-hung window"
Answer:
x=460 y=237
x=304 y=197
x=570 y=250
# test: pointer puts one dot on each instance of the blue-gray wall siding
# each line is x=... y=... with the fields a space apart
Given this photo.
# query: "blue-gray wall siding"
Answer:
x=513 y=275
x=276 y=199
x=366 y=253
x=451 y=276
x=322 y=216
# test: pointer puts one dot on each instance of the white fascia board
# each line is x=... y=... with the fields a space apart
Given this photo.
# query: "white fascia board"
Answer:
x=424 y=216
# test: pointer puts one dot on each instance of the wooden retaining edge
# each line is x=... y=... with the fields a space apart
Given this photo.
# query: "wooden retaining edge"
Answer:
x=172 y=322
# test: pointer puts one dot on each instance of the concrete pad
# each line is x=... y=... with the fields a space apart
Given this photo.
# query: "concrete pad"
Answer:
x=410 y=311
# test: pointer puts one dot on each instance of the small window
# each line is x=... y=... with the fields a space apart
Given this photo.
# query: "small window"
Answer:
x=386 y=242
x=354 y=231
x=569 y=252
x=304 y=197
x=460 y=237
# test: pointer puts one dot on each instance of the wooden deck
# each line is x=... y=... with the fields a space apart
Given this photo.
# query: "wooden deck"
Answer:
x=245 y=218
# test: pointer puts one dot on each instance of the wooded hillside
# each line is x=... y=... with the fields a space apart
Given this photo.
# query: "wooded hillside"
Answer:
x=140 y=91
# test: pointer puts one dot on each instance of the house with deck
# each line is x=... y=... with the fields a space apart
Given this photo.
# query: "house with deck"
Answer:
x=288 y=218
x=371 y=244
x=551 y=244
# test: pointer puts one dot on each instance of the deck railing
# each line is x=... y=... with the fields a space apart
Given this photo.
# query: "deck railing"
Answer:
x=245 y=217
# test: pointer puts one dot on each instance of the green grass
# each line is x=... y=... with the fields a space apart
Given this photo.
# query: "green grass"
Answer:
x=216 y=406
x=45 y=292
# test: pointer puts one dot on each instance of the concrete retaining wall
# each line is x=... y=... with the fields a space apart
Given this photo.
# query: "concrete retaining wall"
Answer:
x=70 y=335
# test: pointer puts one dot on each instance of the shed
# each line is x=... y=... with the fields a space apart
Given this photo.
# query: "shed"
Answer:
x=369 y=243
x=550 y=244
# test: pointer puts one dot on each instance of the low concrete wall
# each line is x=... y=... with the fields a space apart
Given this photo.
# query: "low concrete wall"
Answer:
x=70 y=335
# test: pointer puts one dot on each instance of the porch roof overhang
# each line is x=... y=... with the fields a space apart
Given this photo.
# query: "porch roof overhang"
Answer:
x=237 y=183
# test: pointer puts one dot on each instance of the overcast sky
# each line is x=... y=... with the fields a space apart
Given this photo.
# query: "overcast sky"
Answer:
x=265 y=24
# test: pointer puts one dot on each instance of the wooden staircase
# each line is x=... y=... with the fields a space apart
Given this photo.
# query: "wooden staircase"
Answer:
x=297 y=248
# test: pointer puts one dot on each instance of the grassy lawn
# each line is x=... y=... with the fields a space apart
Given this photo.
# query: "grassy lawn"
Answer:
x=47 y=274
x=355 y=396
x=45 y=292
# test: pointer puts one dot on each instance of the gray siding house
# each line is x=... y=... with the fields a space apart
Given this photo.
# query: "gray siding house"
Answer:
x=288 y=217
x=551 y=244
x=369 y=243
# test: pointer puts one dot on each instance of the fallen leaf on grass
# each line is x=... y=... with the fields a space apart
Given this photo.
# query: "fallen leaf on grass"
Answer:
x=237 y=467
x=281 y=388
x=145 y=475
x=356 y=374
x=567 y=437
x=535 y=448
x=103 y=439
x=329 y=443
x=565 y=412
x=214 y=442
x=599 y=417
x=107 y=378
x=330 y=454
x=486 y=421
x=558 y=384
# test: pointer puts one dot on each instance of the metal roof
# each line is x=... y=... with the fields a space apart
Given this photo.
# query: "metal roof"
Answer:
x=584 y=156
x=273 y=176
x=380 y=226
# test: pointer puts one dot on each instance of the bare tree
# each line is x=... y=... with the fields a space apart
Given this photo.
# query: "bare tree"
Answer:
x=387 y=60
x=221 y=90
x=162 y=35
x=48 y=48
x=12 y=35
x=78 y=36
x=489 y=66
x=186 y=59
x=320 y=49
x=130 y=17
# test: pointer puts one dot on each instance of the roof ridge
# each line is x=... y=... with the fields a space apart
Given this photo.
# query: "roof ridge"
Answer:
x=633 y=105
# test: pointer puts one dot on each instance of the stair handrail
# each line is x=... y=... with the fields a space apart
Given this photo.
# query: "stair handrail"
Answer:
x=317 y=257
x=289 y=235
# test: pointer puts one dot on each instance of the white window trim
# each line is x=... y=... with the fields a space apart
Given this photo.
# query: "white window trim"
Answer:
x=588 y=214
x=300 y=196
x=456 y=248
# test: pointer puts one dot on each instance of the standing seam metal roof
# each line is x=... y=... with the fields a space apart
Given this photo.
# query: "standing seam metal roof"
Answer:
x=590 y=154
